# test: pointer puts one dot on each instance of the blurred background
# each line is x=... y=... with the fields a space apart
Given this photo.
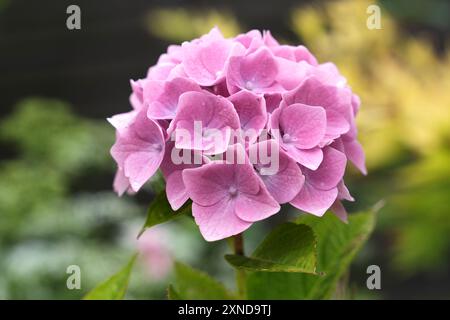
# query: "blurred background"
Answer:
x=57 y=87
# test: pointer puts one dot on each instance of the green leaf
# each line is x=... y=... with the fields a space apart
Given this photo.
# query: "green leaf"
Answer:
x=289 y=247
x=192 y=284
x=115 y=287
x=172 y=294
x=160 y=211
x=337 y=245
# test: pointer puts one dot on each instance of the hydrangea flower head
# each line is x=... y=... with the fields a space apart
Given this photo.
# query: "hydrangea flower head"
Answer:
x=240 y=126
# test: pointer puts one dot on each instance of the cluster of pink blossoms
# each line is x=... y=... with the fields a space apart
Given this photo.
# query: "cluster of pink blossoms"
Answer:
x=279 y=93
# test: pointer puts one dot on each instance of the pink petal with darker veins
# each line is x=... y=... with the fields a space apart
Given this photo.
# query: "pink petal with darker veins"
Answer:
x=135 y=102
x=296 y=54
x=204 y=60
x=301 y=53
x=160 y=71
x=286 y=182
x=339 y=210
x=273 y=101
x=122 y=121
x=356 y=104
x=209 y=183
x=137 y=88
x=121 y=183
x=314 y=201
x=335 y=101
x=251 y=109
x=213 y=115
x=219 y=89
x=162 y=96
x=251 y=39
x=172 y=172
x=255 y=207
x=290 y=74
x=269 y=40
x=173 y=55
x=343 y=192
x=299 y=129
x=301 y=125
x=254 y=72
x=139 y=150
x=330 y=172
x=176 y=190
x=284 y=51
x=355 y=154
x=218 y=221
x=328 y=74
x=310 y=158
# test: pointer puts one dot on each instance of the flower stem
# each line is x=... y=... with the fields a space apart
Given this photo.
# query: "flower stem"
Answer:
x=238 y=247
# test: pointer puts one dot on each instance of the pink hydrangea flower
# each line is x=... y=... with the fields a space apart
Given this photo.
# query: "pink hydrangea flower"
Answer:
x=240 y=126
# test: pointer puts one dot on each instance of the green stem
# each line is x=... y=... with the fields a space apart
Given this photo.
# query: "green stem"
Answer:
x=238 y=247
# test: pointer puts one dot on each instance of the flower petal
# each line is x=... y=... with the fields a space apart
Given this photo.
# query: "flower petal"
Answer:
x=208 y=184
x=330 y=172
x=314 y=201
x=339 y=210
x=121 y=183
x=253 y=72
x=161 y=71
x=162 y=96
x=291 y=73
x=355 y=154
x=337 y=103
x=139 y=150
x=218 y=221
x=255 y=207
x=310 y=158
x=343 y=193
x=204 y=60
x=280 y=174
x=304 y=126
x=251 y=39
x=123 y=120
x=273 y=101
x=203 y=121
x=172 y=171
x=175 y=190
x=251 y=110
x=141 y=166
